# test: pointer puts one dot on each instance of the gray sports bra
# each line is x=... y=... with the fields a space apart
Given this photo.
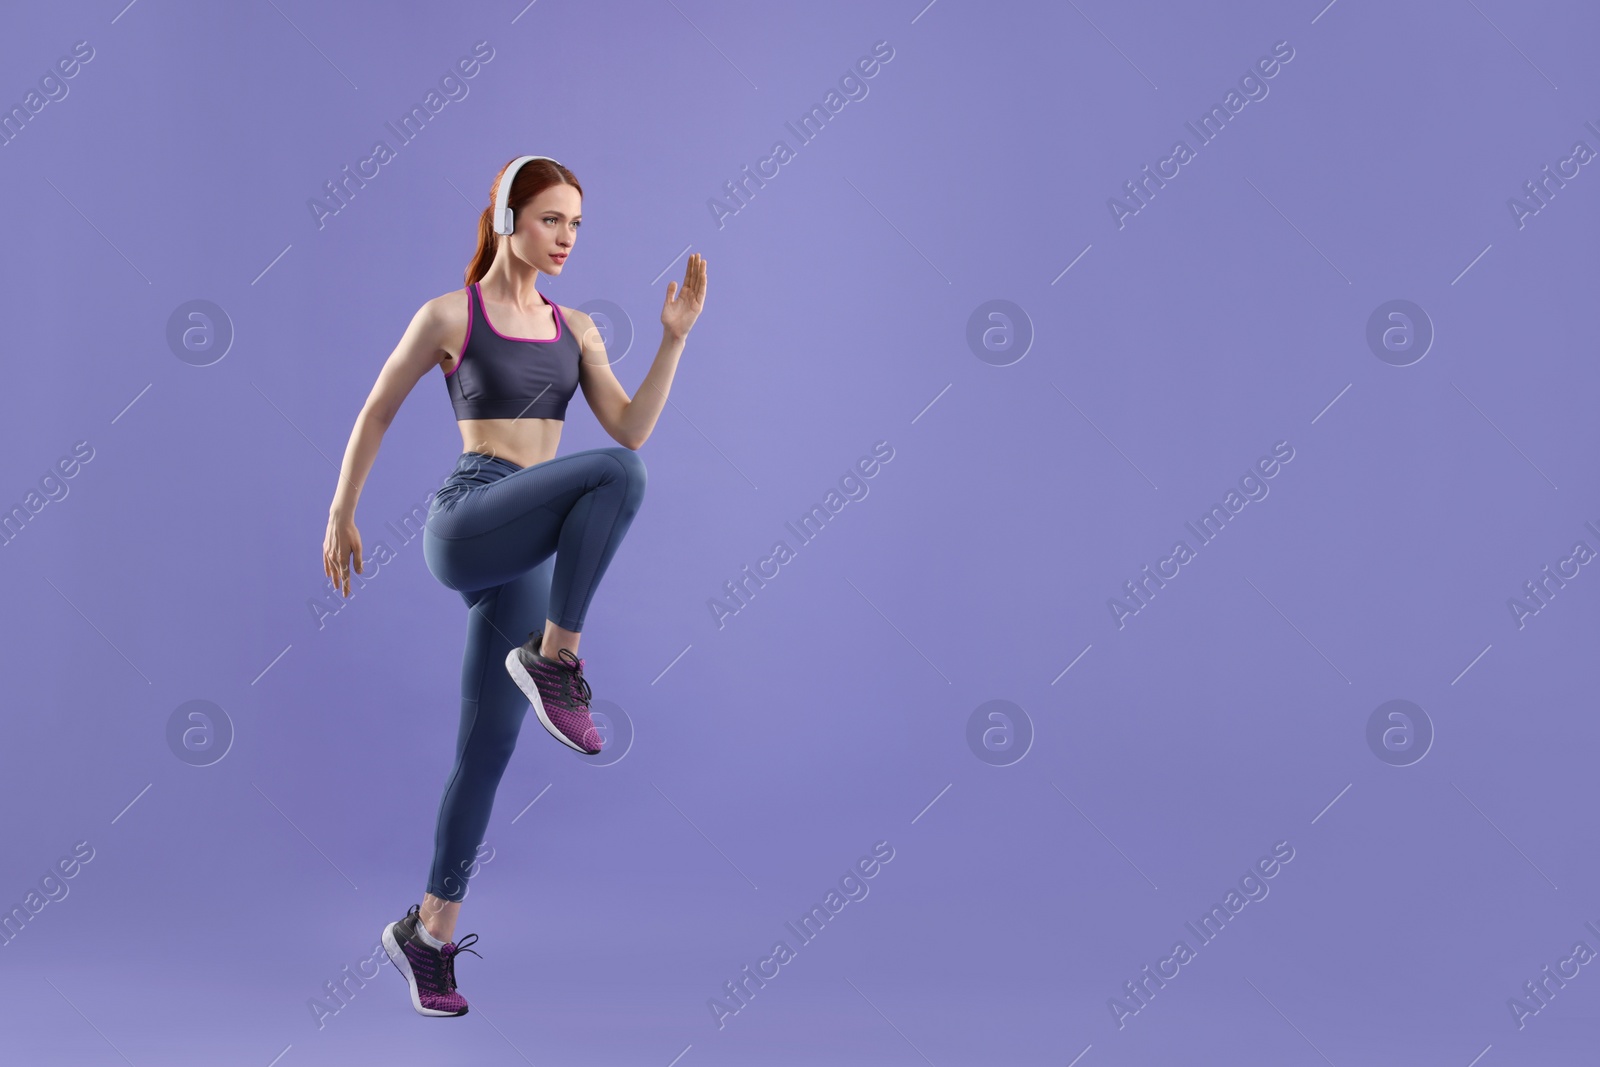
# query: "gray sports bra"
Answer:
x=500 y=377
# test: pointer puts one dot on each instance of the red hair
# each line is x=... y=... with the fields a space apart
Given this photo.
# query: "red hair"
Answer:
x=533 y=178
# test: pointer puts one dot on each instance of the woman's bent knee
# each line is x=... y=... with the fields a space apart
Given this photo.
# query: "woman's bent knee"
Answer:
x=631 y=461
x=633 y=467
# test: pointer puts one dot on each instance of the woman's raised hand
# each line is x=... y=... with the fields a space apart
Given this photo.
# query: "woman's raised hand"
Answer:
x=678 y=315
x=341 y=544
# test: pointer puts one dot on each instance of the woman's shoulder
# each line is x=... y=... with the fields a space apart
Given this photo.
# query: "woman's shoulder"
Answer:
x=576 y=316
x=446 y=309
x=444 y=321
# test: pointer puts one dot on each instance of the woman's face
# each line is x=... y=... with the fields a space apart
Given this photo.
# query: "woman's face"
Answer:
x=547 y=228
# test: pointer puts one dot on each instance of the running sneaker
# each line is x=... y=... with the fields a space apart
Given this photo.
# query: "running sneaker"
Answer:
x=558 y=692
x=429 y=972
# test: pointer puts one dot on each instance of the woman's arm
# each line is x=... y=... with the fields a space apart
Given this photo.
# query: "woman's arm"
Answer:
x=417 y=351
x=630 y=422
x=415 y=355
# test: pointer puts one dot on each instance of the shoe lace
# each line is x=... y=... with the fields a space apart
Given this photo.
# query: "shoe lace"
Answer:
x=576 y=682
x=450 y=959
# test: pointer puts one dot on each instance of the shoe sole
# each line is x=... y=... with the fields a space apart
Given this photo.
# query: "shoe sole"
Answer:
x=402 y=963
x=530 y=689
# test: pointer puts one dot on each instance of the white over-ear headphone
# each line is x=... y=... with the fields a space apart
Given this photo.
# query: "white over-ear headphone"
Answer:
x=504 y=218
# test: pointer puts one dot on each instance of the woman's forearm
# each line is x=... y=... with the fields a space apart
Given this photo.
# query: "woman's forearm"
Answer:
x=359 y=455
x=639 y=418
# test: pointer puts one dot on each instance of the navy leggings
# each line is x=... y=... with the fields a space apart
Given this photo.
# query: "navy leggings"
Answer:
x=522 y=545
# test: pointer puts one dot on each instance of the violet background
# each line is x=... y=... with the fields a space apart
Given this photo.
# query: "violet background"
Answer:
x=832 y=711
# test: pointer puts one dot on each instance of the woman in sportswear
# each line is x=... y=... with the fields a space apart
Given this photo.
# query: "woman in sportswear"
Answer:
x=523 y=535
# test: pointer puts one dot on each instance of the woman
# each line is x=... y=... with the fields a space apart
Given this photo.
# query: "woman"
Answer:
x=522 y=535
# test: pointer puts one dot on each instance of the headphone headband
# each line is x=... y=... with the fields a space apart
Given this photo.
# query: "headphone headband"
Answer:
x=504 y=217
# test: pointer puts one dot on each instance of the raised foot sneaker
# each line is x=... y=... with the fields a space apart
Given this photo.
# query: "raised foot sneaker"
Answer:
x=429 y=972
x=558 y=692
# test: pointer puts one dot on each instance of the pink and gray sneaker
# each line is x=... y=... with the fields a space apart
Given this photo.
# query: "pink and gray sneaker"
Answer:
x=558 y=692
x=429 y=972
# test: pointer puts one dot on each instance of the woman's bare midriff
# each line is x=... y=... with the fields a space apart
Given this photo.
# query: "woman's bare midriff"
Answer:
x=521 y=441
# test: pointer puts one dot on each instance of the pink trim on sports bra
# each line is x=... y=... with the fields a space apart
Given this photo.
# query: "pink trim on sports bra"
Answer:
x=463 y=353
x=555 y=311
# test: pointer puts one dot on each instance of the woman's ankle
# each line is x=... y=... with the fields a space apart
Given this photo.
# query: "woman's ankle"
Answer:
x=555 y=639
x=433 y=919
